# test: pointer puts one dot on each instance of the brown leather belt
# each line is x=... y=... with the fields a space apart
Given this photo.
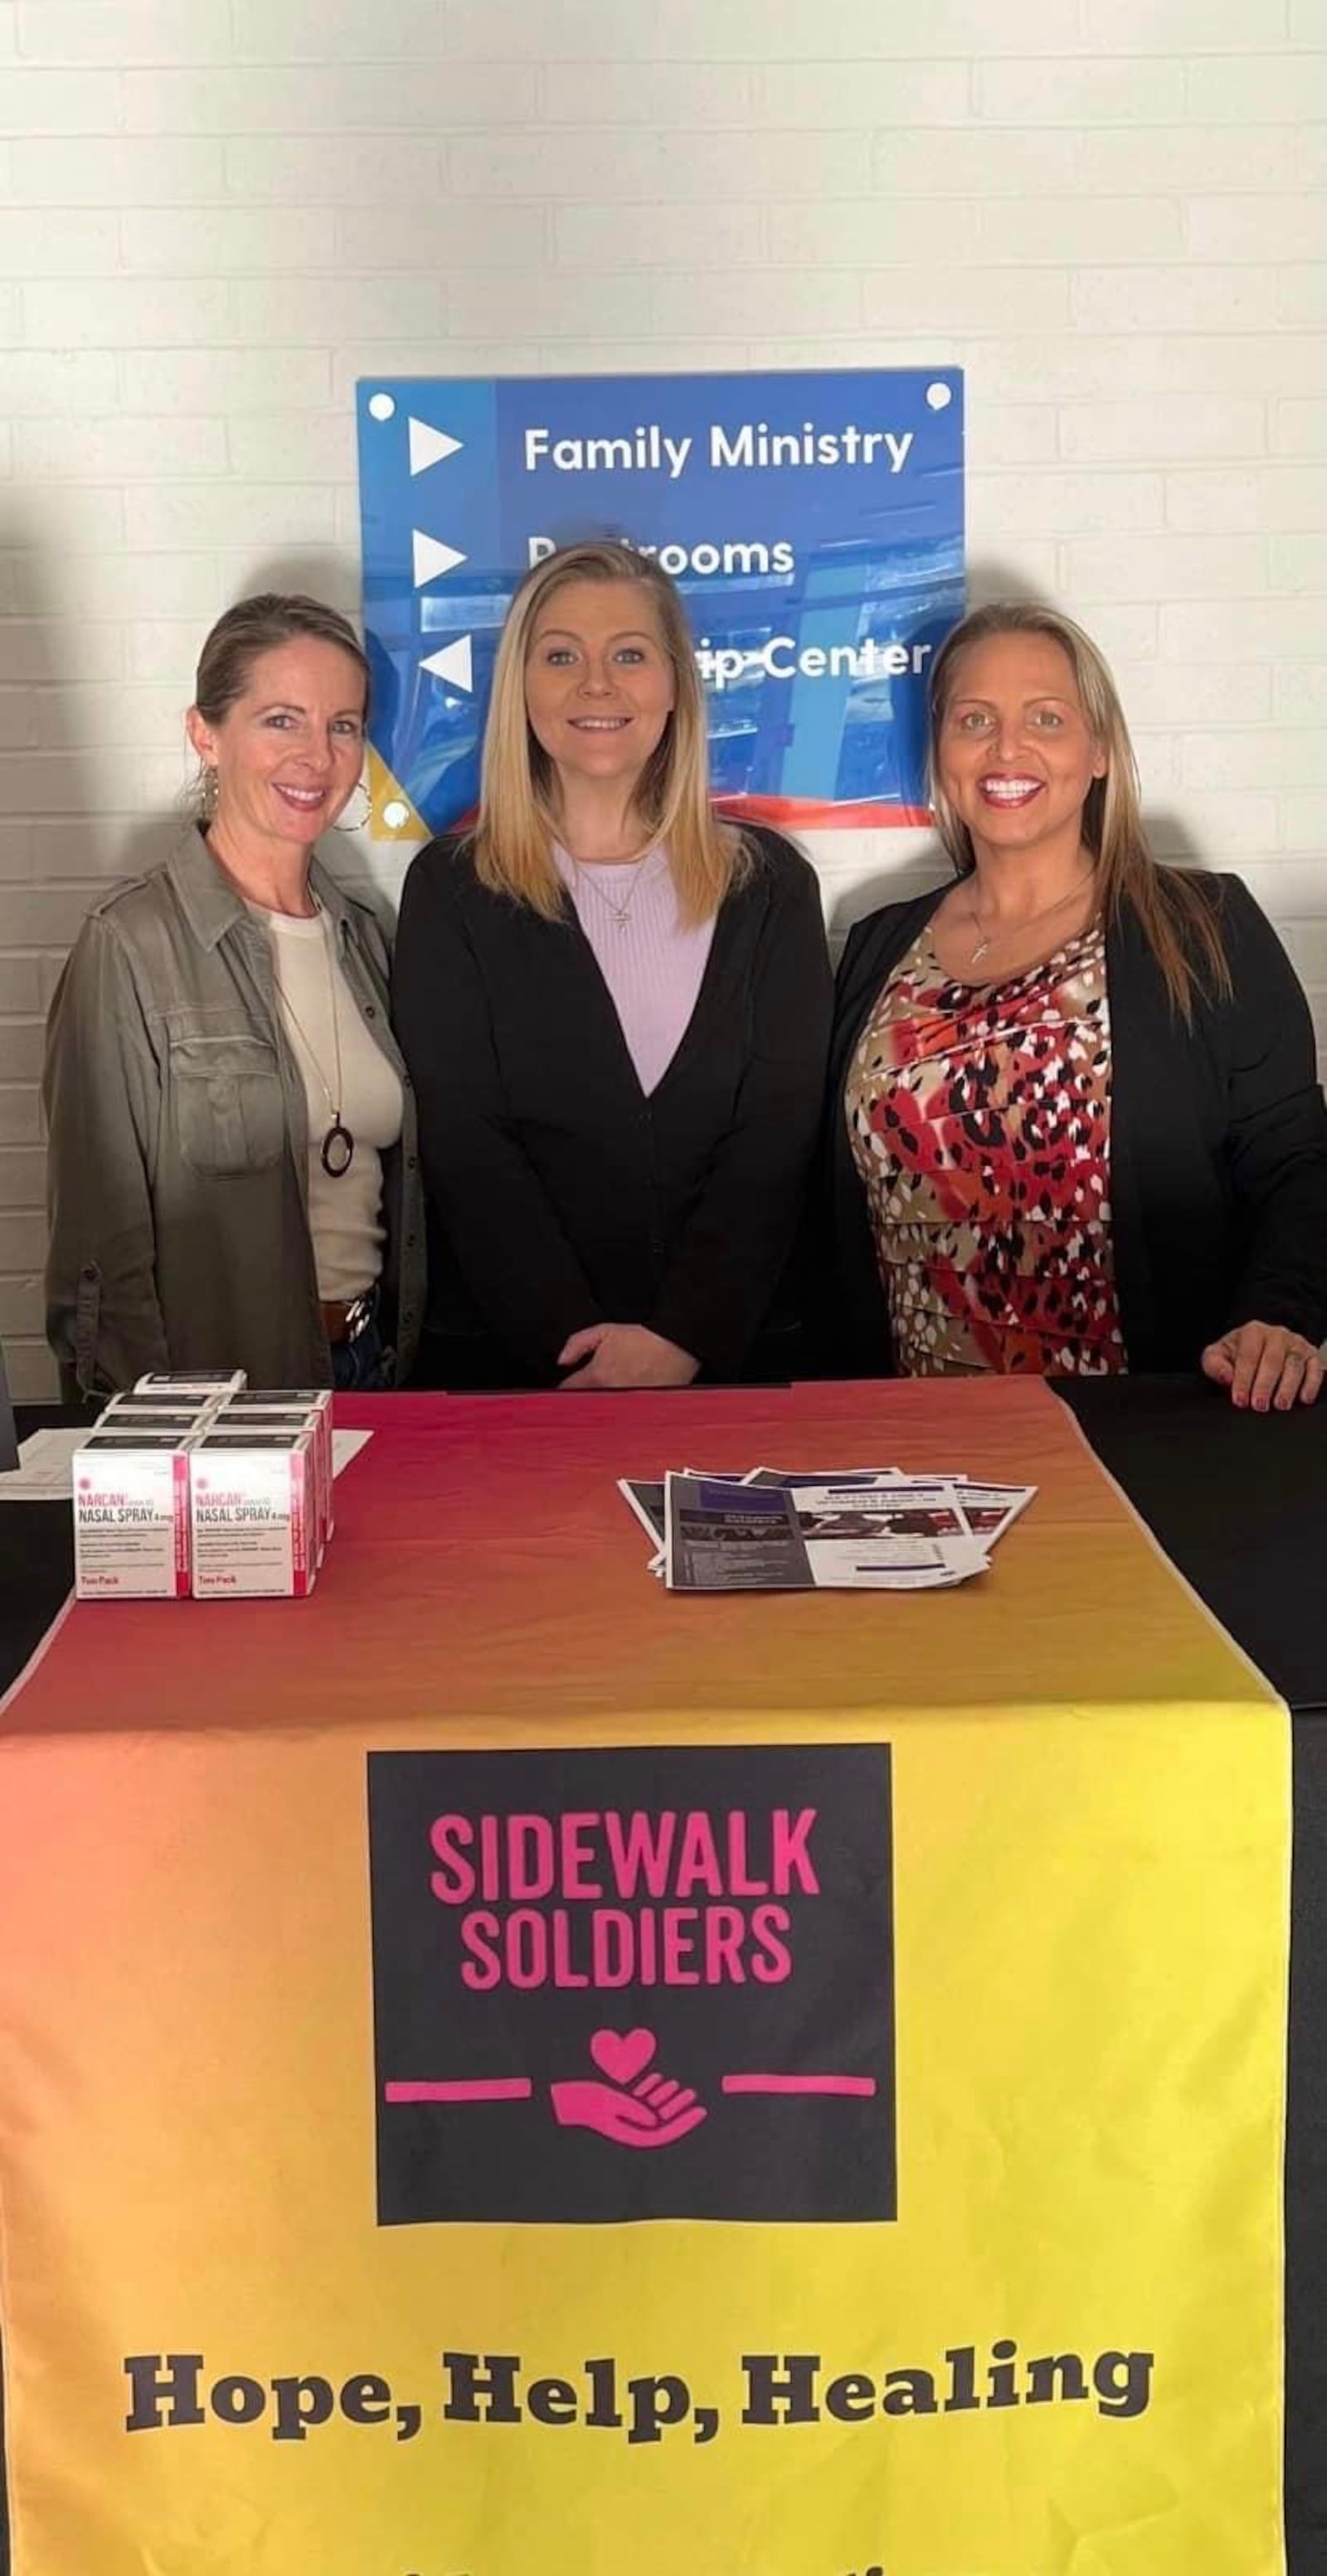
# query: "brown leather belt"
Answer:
x=344 y=1319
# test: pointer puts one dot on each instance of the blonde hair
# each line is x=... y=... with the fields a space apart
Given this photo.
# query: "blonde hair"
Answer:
x=1176 y=912
x=512 y=842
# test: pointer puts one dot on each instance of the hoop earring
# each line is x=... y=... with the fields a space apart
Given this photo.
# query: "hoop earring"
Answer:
x=360 y=819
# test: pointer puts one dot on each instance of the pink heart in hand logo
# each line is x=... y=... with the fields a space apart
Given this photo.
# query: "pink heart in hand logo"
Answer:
x=622 y=2054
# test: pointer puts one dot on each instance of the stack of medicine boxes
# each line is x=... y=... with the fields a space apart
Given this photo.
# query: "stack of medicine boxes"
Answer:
x=203 y=1486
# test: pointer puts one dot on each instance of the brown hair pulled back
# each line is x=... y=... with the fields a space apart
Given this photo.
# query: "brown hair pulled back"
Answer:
x=261 y=625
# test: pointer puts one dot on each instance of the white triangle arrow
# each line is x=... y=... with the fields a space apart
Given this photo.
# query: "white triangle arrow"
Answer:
x=432 y=557
x=429 y=446
x=455 y=663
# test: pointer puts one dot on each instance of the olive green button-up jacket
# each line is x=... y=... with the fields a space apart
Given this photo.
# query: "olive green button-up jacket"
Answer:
x=178 y=1155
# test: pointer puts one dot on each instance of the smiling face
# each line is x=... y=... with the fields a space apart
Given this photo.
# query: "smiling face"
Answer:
x=1015 y=754
x=288 y=751
x=599 y=686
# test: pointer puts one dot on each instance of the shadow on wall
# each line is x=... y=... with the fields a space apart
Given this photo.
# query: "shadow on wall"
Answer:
x=1171 y=841
x=64 y=792
x=319 y=572
x=55 y=857
x=989 y=582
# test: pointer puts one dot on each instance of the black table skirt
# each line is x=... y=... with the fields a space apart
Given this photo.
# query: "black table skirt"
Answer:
x=1239 y=1503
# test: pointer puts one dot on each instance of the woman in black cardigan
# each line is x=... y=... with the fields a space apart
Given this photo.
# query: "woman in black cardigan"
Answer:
x=615 y=1010
x=1074 y=1118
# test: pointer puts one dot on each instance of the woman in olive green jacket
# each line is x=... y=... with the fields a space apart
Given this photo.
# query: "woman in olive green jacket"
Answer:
x=233 y=1173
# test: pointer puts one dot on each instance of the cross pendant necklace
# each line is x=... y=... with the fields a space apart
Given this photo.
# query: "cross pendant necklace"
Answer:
x=621 y=912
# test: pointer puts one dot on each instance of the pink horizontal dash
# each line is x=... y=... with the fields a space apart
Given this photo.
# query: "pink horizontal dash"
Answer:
x=861 y=2084
x=502 y=2088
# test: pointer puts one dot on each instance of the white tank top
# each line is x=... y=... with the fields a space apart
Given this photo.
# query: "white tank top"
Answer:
x=345 y=1215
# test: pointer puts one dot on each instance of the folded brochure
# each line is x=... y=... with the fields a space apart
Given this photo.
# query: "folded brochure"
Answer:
x=814 y=1537
x=778 y=1529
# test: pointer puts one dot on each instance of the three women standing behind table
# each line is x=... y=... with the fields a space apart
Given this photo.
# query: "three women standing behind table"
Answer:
x=616 y=1010
x=1074 y=1121
x=233 y=1180
x=1074 y=1118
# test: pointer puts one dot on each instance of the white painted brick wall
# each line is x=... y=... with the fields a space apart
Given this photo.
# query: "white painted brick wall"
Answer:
x=1111 y=212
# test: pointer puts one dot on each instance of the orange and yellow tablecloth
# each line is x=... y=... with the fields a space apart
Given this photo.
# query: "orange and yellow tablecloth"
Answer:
x=507 y=2070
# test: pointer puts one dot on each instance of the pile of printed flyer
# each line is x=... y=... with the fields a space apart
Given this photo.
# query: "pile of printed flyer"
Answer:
x=776 y=1530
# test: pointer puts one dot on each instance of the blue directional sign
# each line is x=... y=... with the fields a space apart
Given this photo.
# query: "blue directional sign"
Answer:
x=814 y=524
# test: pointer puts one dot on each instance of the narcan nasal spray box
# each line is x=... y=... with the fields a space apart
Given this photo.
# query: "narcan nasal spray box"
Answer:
x=255 y=1509
x=131 y=1515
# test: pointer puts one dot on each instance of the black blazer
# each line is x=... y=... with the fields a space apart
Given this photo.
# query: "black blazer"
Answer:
x=1218 y=1146
x=561 y=1195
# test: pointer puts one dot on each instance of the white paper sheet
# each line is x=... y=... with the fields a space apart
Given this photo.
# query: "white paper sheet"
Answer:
x=43 y=1473
x=345 y=1446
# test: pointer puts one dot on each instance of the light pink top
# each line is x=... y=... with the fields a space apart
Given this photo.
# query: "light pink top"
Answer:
x=651 y=962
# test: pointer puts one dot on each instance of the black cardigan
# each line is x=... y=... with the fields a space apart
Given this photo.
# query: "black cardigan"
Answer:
x=1218 y=1146
x=559 y=1193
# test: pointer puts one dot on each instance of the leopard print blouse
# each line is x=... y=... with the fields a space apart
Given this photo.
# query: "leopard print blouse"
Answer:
x=979 y=1117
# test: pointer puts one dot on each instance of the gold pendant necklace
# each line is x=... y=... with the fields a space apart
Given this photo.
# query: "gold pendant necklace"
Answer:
x=993 y=938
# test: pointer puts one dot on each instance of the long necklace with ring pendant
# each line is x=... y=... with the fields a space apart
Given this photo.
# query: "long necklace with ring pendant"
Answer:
x=337 y=1150
x=993 y=938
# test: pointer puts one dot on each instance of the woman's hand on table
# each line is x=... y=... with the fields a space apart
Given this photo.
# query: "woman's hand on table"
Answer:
x=1265 y=1366
x=623 y=1355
